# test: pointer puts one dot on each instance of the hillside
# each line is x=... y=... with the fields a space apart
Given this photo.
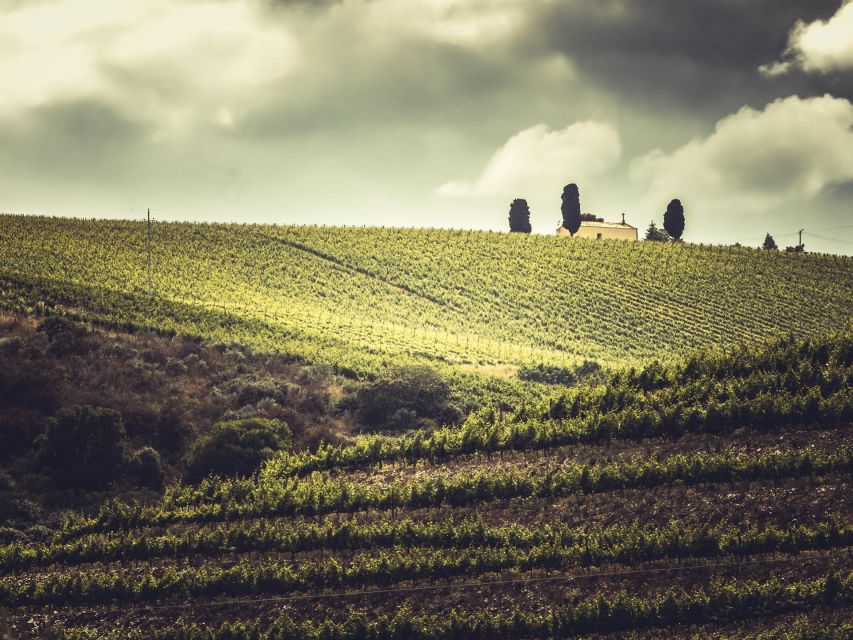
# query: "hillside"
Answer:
x=297 y=436
x=361 y=298
x=706 y=499
x=169 y=393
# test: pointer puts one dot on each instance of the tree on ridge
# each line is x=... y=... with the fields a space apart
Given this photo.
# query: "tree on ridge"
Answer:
x=519 y=216
x=571 y=208
x=673 y=219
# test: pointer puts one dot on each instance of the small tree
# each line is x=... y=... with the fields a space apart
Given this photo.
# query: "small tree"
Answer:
x=673 y=219
x=571 y=208
x=236 y=447
x=147 y=468
x=656 y=235
x=412 y=392
x=84 y=446
x=769 y=243
x=519 y=216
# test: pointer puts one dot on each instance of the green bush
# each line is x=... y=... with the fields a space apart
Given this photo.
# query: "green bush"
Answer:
x=236 y=447
x=252 y=388
x=10 y=535
x=83 y=446
x=147 y=468
x=551 y=374
x=547 y=374
x=67 y=337
x=412 y=393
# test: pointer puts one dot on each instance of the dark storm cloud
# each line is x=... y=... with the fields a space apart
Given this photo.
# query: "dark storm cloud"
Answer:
x=71 y=140
x=683 y=55
x=424 y=83
x=253 y=108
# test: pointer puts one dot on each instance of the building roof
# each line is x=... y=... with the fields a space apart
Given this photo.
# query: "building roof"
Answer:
x=607 y=225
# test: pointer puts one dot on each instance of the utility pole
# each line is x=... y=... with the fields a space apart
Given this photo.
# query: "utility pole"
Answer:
x=149 y=251
x=801 y=239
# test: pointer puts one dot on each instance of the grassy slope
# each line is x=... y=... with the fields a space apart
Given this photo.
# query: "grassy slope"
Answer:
x=361 y=298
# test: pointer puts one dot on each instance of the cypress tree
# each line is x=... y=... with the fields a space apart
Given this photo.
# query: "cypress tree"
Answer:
x=673 y=219
x=769 y=243
x=519 y=216
x=571 y=208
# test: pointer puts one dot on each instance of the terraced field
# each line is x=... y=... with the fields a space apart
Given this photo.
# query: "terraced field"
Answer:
x=703 y=499
x=362 y=298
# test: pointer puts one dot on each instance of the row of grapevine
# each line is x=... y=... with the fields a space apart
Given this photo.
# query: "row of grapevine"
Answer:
x=317 y=494
x=721 y=601
x=615 y=543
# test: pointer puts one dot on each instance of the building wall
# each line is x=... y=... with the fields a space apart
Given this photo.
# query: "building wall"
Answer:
x=606 y=233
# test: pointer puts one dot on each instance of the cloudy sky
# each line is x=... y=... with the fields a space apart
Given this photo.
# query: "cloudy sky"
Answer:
x=434 y=112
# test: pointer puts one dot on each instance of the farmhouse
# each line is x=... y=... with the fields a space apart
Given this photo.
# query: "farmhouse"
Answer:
x=603 y=230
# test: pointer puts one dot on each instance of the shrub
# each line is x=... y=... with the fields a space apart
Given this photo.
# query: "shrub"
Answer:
x=166 y=429
x=11 y=345
x=402 y=419
x=83 y=446
x=194 y=363
x=236 y=447
x=147 y=468
x=9 y=535
x=418 y=390
x=252 y=388
x=39 y=533
x=654 y=234
x=66 y=337
x=552 y=374
x=55 y=325
x=547 y=374
x=175 y=367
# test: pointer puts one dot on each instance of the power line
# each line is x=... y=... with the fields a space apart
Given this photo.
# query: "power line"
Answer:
x=834 y=228
x=814 y=235
x=794 y=233
x=796 y=222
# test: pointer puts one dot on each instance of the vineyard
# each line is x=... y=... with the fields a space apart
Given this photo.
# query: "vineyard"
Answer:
x=707 y=498
x=363 y=298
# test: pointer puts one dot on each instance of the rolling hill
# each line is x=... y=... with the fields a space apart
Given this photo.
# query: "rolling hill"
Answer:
x=362 y=298
x=695 y=486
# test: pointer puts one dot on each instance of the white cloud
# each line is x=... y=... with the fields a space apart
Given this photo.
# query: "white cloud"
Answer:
x=539 y=160
x=167 y=62
x=819 y=46
x=474 y=24
x=470 y=24
x=754 y=161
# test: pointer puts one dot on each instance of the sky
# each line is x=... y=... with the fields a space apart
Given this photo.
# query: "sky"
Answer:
x=435 y=113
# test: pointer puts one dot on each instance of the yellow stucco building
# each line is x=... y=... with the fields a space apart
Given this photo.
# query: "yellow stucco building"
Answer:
x=603 y=231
